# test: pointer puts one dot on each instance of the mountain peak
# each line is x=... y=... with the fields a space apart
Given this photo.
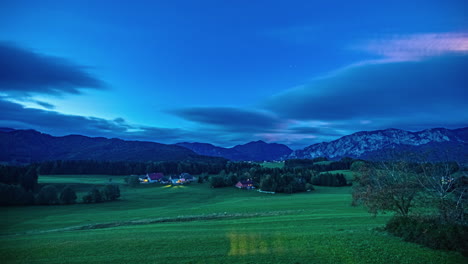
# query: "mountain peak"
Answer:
x=368 y=144
x=256 y=142
x=252 y=151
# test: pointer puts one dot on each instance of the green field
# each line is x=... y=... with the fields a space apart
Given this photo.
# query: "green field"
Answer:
x=198 y=224
x=272 y=165
x=325 y=162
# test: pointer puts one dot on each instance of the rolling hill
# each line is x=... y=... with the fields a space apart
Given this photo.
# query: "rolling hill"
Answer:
x=26 y=146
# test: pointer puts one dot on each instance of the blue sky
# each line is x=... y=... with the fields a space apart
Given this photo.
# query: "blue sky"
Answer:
x=229 y=72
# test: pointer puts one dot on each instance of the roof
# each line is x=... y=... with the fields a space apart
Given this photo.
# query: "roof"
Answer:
x=155 y=176
x=186 y=176
x=245 y=182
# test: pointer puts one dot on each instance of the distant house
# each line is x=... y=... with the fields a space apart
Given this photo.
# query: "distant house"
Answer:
x=247 y=184
x=188 y=178
x=177 y=181
x=165 y=180
x=143 y=179
x=152 y=177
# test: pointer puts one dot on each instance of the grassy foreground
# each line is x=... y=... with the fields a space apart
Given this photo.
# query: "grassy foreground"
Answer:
x=198 y=224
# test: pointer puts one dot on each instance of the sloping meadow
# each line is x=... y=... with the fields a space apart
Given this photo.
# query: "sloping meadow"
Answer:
x=198 y=224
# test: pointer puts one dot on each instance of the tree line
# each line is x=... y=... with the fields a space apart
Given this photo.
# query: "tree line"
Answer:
x=128 y=168
x=19 y=186
x=318 y=165
x=51 y=195
x=282 y=180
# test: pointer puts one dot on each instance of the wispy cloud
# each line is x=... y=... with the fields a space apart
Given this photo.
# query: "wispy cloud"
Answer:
x=416 y=46
x=230 y=118
x=45 y=105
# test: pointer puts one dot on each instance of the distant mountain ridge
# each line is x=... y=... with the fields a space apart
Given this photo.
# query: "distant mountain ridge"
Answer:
x=436 y=144
x=26 y=146
x=252 y=151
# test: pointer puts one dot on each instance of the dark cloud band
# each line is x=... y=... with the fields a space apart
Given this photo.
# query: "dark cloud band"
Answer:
x=23 y=72
x=383 y=90
x=229 y=118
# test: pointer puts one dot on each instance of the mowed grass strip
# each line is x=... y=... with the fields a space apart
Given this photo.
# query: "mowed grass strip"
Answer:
x=312 y=227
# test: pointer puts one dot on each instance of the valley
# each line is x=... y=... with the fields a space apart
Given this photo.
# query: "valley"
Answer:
x=199 y=224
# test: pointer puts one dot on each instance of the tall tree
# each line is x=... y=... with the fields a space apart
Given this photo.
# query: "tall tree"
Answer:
x=68 y=196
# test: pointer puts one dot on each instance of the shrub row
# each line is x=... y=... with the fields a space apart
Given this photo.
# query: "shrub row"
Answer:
x=430 y=232
x=109 y=193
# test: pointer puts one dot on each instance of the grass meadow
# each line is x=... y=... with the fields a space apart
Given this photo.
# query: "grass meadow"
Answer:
x=272 y=165
x=198 y=224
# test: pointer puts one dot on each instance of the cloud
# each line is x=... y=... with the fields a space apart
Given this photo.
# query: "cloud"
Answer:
x=21 y=117
x=237 y=126
x=432 y=88
x=317 y=131
x=45 y=105
x=24 y=72
x=230 y=118
x=417 y=46
x=15 y=115
x=294 y=134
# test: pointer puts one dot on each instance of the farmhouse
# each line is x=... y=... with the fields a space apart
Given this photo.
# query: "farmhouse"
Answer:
x=183 y=178
x=152 y=177
x=176 y=180
x=188 y=178
x=247 y=184
x=165 y=180
x=143 y=179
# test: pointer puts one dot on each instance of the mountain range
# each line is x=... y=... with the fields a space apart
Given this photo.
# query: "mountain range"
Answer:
x=25 y=146
x=431 y=144
x=252 y=151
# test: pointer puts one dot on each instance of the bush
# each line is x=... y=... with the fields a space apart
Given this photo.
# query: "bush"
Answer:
x=111 y=192
x=87 y=198
x=14 y=195
x=430 y=232
x=357 y=165
x=202 y=177
x=47 y=195
x=132 y=181
x=330 y=179
x=217 y=181
x=96 y=195
x=267 y=183
x=68 y=196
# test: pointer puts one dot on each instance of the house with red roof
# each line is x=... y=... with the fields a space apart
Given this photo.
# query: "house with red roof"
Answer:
x=154 y=177
x=246 y=184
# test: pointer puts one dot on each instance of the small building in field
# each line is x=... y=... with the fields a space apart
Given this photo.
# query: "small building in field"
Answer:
x=154 y=177
x=187 y=177
x=247 y=184
x=177 y=181
x=143 y=179
x=165 y=180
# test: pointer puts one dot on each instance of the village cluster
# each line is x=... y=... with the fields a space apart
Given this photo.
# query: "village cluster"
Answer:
x=184 y=178
x=158 y=177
